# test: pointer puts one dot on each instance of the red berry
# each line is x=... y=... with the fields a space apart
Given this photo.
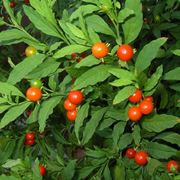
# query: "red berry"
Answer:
x=71 y=115
x=172 y=166
x=134 y=113
x=141 y=157
x=146 y=107
x=130 y=153
x=68 y=105
x=136 y=97
x=75 y=96
x=42 y=170
x=125 y=52
x=12 y=4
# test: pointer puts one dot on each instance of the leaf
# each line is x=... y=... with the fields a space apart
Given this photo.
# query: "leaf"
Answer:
x=82 y=114
x=123 y=94
x=107 y=173
x=173 y=74
x=148 y=53
x=4 y=108
x=76 y=31
x=170 y=137
x=133 y=25
x=11 y=36
x=83 y=10
x=117 y=132
x=94 y=37
x=152 y=165
x=88 y=62
x=13 y=113
x=34 y=115
x=153 y=81
x=121 y=73
x=158 y=123
x=161 y=151
x=46 y=68
x=25 y=67
x=85 y=171
x=124 y=14
x=4 y=177
x=92 y=77
x=106 y=123
x=68 y=50
x=92 y=124
x=99 y=25
x=176 y=52
x=69 y=170
x=121 y=82
x=40 y=22
x=125 y=140
x=136 y=134
x=9 y=89
x=12 y=162
x=46 y=110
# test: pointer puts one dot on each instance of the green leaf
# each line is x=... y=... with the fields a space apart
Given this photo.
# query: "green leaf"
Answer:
x=68 y=50
x=152 y=165
x=69 y=170
x=40 y=22
x=121 y=82
x=125 y=140
x=4 y=177
x=122 y=73
x=49 y=66
x=107 y=173
x=92 y=124
x=83 y=10
x=82 y=114
x=12 y=162
x=85 y=171
x=133 y=25
x=124 y=14
x=99 y=25
x=34 y=115
x=117 y=132
x=148 y=53
x=173 y=74
x=4 y=107
x=9 y=89
x=91 y=77
x=136 y=134
x=88 y=62
x=11 y=36
x=153 y=81
x=75 y=30
x=123 y=94
x=25 y=67
x=170 y=137
x=13 y=113
x=94 y=37
x=46 y=110
x=106 y=123
x=35 y=170
x=158 y=123
x=176 y=52
x=161 y=151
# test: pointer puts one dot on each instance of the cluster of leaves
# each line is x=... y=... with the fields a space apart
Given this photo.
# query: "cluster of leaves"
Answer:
x=93 y=146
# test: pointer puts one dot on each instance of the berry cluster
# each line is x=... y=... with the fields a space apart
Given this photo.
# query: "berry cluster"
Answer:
x=29 y=139
x=145 y=107
x=75 y=97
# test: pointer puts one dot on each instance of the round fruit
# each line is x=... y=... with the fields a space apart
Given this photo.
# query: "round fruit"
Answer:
x=141 y=158
x=26 y=1
x=73 y=55
x=134 y=113
x=29 y=142
x=12 y=4
x=42 y=170
x=136 y=97
x=30 y=136
x=100 y=50
x=149 y=98
x=68 y=105
x=36 y=83
x=130 y=153
x=146 y=107
x=30 y=51
x=172 y=166
x=34 y=94
x=75 y=96
x=125 y=52
x=71 y=115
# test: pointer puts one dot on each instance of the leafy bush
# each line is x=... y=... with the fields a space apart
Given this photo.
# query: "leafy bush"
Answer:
x=95 y=94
